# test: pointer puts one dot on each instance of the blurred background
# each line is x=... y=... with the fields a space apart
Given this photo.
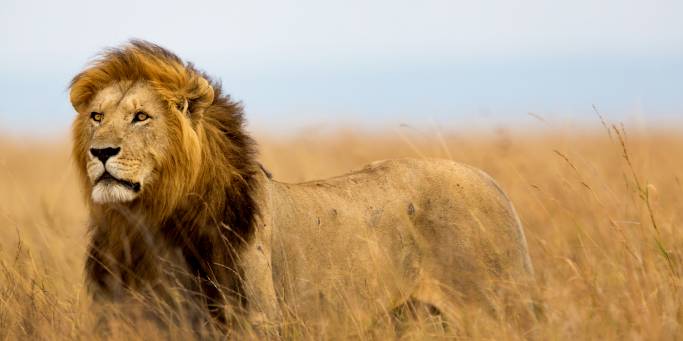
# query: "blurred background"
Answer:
x=369 y=64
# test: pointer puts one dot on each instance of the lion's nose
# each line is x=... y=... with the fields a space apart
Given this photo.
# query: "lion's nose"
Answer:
x=104 y=153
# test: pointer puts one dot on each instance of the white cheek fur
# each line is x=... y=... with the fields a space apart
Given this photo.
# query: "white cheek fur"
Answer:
x=111 y=193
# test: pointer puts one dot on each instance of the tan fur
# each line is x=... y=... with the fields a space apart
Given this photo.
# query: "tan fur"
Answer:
x=356 y=246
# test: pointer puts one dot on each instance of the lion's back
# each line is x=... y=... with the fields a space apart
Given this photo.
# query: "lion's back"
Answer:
x=435 y=195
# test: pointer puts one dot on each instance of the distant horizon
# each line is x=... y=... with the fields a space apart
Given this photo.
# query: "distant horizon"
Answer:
x=531 y=124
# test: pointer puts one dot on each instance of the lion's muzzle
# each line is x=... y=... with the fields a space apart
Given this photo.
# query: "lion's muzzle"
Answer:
x=107 y=177
x=115 y=177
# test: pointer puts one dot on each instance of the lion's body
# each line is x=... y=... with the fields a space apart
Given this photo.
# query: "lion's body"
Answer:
x=429 y=230
x=179 y=199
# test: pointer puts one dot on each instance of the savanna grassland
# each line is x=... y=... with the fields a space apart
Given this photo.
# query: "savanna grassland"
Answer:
x=602 y=209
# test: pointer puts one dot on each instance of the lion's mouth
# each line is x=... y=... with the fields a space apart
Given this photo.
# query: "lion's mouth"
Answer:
x=106 y=177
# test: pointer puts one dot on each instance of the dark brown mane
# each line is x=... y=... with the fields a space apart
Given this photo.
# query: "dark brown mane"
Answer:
x=208 y=221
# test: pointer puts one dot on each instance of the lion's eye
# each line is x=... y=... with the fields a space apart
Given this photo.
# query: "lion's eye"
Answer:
x=96 y=116
x=140 y=116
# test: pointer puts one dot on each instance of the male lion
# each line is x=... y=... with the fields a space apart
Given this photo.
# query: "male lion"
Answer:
x=177 y=198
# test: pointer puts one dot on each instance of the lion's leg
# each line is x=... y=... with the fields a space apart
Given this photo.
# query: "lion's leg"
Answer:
x=415 y=318
x=432 y=293
x=451 y=303
x=460 y=308
x=262 y=304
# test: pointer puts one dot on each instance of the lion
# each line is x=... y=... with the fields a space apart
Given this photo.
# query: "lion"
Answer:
x=175 y=194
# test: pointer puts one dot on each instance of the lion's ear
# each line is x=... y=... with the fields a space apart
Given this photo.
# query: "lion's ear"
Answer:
x=80 y=94
x=198 y=98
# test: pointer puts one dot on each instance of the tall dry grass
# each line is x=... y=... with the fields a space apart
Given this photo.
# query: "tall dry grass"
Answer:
x=602 y=210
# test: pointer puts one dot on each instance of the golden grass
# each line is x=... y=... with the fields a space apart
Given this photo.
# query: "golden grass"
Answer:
x=602 y=220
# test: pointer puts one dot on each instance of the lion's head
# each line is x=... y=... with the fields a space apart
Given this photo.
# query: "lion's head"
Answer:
x=149 y=125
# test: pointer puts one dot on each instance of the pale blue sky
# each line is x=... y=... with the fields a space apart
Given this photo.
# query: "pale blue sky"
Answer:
x=373 y=63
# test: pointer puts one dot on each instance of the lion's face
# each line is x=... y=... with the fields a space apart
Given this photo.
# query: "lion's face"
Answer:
x=124 y=131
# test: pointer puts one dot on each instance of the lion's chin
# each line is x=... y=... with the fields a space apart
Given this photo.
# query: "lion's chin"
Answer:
x=112 y=192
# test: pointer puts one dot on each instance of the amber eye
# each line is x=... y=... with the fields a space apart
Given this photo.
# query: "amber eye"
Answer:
x=140 y=116
x=96 y=116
